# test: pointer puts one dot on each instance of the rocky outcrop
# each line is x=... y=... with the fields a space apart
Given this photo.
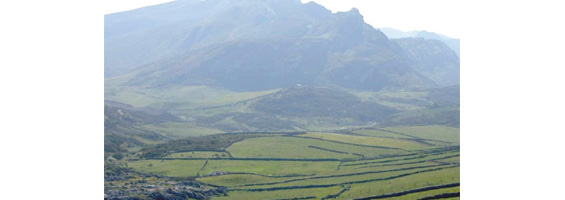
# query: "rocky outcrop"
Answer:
x=179 y=192
x=124 y=184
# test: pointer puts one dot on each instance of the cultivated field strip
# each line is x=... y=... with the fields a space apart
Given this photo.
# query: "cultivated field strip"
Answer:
x=299 y=198
x=199 y=154
x=406 y=163
x=314 y=193
x=342 y=175
x=332 y=196
x=360 y=145
x=398 y=158
x=442 y=196
x=256 y=159
x=394 y=132
x=268 y=176
x=440 y=149
x=301 y=147
x=406 y=137
x=409 y=136
x=203 y=166
x=324 y=149
x=380 y=157
x=337 y=184
x=386 y=161
x=397 y=194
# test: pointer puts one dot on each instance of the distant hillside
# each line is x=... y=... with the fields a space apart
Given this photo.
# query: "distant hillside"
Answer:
x=448 y=116
x=438 y=106
x=253 y=45
x=321 y=102
x=322 y=108
x=297 y=108
x=452 y=43
x=433 y=59
x=121 y=126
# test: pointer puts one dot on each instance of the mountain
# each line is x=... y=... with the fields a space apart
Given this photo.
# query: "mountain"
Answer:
x=433 y=59
x=254 y=45
x=452 y=43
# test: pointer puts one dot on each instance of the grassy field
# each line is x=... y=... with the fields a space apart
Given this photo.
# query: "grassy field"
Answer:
x=283 y=147
x=442 y=133
x=377 y=163
x=177 y=97
x=401 y=100
x=270 y=168
x=451 y=160
x=232 y=180
x=371 y=141
x=316 y=165
x=380 y=133
x=420 y=195
x=181 y=129
x=173 y=168
x=199 y=154
x=338 y=180
x=300 y=147
x=292 y=194
x=449 y=175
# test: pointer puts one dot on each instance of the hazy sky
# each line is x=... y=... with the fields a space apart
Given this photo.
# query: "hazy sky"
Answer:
x=440 y=16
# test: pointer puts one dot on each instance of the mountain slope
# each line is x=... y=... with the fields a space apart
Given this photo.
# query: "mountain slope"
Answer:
x=149 y=34
x=253 y=45
x=433 y=59
x=121 y=126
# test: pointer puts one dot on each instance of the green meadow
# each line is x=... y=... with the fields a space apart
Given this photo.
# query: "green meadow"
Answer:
x=319 y=165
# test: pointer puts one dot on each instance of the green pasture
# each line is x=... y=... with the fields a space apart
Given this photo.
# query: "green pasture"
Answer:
x=430 y=193
x=275 y=168
x=442 y=133
x=297 y=147
x=341 y=179
x=180 y=129
x=281 y=194
x=241 y=179
x=232 y=180
x=175 y=97
x=451 y=160
x=394 y=162
x=440 y=177
x=173 y=168
x=379 y=133
x=363 y=140
x=198 y=154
